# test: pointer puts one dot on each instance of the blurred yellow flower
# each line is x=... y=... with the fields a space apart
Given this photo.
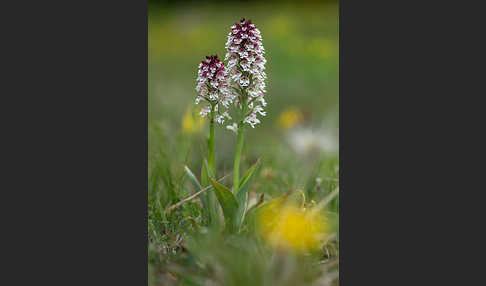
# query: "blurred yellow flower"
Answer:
x=290 y=117
x=286 y=226
x=192 y=122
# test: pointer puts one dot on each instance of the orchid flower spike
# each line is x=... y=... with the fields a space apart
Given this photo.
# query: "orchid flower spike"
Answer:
x=213 y=87
x=245 y=69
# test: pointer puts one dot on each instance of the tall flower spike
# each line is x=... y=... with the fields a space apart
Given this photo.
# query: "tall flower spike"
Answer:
x=213 y=87
x=246 y=65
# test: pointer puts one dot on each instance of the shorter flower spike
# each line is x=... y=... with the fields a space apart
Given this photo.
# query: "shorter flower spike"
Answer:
x=213 y=87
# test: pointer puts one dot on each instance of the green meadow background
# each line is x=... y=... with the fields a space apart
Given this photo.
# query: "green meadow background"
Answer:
x=302 y=52
x=301 y=41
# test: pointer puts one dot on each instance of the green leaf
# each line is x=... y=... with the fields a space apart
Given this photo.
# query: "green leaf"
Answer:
x=227 y=201
x=242 y=195
x=246 y=178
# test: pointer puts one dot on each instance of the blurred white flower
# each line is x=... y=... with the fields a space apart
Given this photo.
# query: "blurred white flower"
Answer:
x=306 y=140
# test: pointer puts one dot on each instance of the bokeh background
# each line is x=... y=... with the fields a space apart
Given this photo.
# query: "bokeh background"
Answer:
x=302 y=52
x=297 y=140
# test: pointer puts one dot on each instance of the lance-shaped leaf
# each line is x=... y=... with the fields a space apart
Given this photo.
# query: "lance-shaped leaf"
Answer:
x=227 y=201
x=242 y=195
x=246 y=178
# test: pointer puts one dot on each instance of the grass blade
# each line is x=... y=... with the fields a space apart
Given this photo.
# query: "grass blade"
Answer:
x=198 y=186
x=213 y=214
x=192 y=177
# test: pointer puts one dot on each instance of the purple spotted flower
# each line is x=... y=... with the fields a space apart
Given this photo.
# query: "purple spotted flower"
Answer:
x=213 y=87
x=245 y=68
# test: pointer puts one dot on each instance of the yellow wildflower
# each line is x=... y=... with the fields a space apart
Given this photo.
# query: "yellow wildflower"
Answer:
x=286 y=226
x=191 y=123
x=289 y=118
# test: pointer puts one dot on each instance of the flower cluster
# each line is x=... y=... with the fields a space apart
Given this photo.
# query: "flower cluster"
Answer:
x=245 y=68
x=213 y=87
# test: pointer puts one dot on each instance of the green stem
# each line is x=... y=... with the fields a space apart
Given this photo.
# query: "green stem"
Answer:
x=239 y=144
x=213 y=211
x=236 y=167
x=211 y=143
